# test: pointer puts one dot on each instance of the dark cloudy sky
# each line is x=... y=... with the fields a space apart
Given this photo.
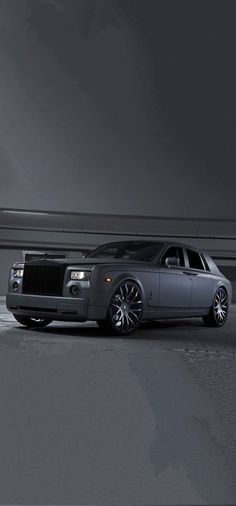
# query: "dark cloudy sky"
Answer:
x=118 y=106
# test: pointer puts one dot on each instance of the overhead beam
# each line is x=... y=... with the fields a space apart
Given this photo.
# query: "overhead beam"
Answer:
x=36 y=229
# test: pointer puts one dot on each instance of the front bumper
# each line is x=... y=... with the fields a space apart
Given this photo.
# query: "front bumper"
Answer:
x=54 y=308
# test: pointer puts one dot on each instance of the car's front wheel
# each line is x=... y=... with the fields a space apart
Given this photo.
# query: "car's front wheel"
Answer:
x=125 y=310
x=218 y=313
x=32 y=322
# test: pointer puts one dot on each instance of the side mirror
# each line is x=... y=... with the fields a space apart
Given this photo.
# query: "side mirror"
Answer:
x=172 y=262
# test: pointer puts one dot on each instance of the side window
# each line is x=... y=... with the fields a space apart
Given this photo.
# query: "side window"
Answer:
x=194 y=259
x=174 y=251
x=205 y=263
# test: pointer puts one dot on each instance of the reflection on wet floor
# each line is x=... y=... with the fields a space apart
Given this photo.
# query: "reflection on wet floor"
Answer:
x=149 y=419
x=184 y=336
x=195 y=422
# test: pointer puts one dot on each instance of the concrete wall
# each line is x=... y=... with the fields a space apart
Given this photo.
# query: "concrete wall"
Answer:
x=7 y=258
x=118 y=107
x=230 y=273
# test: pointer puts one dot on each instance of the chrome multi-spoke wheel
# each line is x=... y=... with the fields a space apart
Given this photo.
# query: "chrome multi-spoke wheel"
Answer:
x=219 y=310
x=32 y=322
x=125 y=309
x=221 y=306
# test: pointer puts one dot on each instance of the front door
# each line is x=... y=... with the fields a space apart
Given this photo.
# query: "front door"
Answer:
x=175 y=282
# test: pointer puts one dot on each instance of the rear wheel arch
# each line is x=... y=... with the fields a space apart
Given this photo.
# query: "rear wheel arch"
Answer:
x=219 y=309
x=220 y=285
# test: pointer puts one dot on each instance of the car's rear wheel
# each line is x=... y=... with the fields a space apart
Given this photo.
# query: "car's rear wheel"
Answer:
x=32 y=322
x=218 y=313
x=125 y=310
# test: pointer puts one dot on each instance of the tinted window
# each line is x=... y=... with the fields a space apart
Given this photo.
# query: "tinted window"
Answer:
x=174 y=251
x=144 y=251
x=110 y=251
x=205 y=263
x=194 y=259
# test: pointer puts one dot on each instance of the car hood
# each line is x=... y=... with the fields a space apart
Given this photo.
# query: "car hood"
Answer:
x=85 y=261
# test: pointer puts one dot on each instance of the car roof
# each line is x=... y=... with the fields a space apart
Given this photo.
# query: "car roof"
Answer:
x=157 y=241
x=181 y=245
x=164 y=244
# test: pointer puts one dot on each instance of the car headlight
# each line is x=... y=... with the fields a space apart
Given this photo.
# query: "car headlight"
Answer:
x=18 y=273
x=80 y=275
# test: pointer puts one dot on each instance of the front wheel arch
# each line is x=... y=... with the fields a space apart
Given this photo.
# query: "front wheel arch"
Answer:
x=124 y=279
x=124 y=320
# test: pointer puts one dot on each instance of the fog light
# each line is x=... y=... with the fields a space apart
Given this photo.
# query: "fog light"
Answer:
x=74 y=290
x=15 y=286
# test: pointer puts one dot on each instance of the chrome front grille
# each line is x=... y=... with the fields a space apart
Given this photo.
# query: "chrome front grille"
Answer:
x=43 y=278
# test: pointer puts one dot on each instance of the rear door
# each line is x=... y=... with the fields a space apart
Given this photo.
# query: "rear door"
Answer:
x=202 y=282
x=175 y=284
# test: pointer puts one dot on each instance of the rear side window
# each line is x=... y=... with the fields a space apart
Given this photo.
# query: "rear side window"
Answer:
x=194 y=259
x=205 y=263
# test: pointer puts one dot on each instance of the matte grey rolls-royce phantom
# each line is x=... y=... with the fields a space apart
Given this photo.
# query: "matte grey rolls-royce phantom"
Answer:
x=119 y=285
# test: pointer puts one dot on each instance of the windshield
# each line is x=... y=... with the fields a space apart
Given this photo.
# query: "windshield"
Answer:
x=144 y=251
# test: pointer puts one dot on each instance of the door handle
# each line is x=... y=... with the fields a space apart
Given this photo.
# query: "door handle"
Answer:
x=187 y=273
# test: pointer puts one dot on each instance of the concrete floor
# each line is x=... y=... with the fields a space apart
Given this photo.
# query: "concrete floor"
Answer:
x=87 y=419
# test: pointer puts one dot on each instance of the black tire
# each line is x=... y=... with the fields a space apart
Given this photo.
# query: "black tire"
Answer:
x=103 y=325
x=125 y=310
x=218 y=313
x=32 y=322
